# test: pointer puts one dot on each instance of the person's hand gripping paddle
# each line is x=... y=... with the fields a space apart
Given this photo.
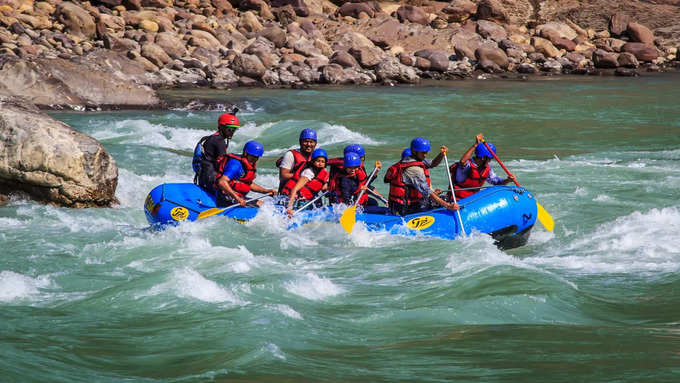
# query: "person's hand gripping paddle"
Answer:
x=349 y=217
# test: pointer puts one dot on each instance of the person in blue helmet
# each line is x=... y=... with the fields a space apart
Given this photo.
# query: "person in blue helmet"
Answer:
x=308 y=182
x=295 y=159
x=236 y=175
x=359 y=150
x=470 y=174
x=348 y=182
x=409 y=179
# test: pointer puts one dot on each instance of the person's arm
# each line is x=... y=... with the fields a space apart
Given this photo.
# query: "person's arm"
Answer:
x=441 y=202
x=260 y=189
x=214 y=148
x=440 y=157
x=494 y=179
x=468 y=154
x=286 y=167
x=223 y=184
x=293 y=193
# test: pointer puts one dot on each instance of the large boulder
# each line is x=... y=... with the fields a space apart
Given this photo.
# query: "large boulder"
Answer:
x=108 y=80
x=641 y=34
x=604 y=59
x=492 y=55
x=618 y=23
x=171 y=44
x=77 y=21
x=490 y=30
x=459 y=10
x=438 y=60
x=390 y=69
x=642 y=52
x=412 y=14
x=50 y=162
x=491 y=10
x=248 y=65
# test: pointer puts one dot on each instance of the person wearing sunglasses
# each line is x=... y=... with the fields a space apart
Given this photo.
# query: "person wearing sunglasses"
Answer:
x=211 y=149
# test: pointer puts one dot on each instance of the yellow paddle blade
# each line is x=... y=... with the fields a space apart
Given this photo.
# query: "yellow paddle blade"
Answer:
x=209 y=212
x=348 y=219
x=545 y=218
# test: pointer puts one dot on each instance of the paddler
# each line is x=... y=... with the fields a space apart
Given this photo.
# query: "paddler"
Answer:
x=348 y=182
x=308 y=181
x=409 y=179
x=295 y=159
x=471 y=173
x=236 y=175
x=212 y=148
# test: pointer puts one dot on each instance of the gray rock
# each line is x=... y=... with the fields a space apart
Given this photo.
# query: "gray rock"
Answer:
x=391 y=69
x=527 y=68
x=172 y=45
x=224 y=77
x=50 y=162
x=495 y=55
x=248 y=65
x=490 y=30
x=155 y=54
x=628 y=60
x=552 y=66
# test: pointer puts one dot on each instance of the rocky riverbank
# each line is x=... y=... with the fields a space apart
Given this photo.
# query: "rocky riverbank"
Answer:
x=114 y=53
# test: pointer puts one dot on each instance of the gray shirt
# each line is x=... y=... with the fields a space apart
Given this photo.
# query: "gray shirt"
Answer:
x=415 y=176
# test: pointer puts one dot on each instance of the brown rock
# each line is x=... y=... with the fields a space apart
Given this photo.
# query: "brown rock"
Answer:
x=344 y=59
x=495 y=55
x=412 y=14
x=366 y=56
x=299 y=6
x=355 y=9
x=249 y=22
x=222 y=7
x=462 y=50
x=561 y=43
x=248 y=65
x=423 y=63
x=407 y=60
x=172 y=45
x=628 y=60
x=491 y=10
x=618 y=23
x=77 y=21
x=148 y=26
x=439 y=60
x=274 y=34
x=292 y=58
x=204 y=39
x=490 y=30
x=604 y=59
x=155 y=54
x=459 y=10
x=157 y=3
x=642 y=52
x=285 y=15
x=545 y=47
x=640 y=33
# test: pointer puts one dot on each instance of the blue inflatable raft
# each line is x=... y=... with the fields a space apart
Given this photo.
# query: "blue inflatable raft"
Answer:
x=507 y=213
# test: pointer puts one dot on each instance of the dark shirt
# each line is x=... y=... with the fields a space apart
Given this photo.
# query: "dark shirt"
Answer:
x=348 y=185
x=214 y=148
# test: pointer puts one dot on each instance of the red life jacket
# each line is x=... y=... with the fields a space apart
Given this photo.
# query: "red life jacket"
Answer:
x=399 y=191
x=361 y=178
x=337 y=167
x=474 y=180
x=299 y=160
x=242 y=184
x=311 y=188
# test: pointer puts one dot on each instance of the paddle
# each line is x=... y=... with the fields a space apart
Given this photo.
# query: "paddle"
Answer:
x=349 y=216
x=218 y=210
x=310 y=202
x=378 y=196
x=453 y=194
x=543 y=217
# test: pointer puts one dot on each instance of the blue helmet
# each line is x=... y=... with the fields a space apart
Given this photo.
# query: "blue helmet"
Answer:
x=351 y=159
x=319 y=153
x=420 y=144
x=306 y=134
x=406 y=153
x=253 y=148
x=481 y=151
x=355 y=148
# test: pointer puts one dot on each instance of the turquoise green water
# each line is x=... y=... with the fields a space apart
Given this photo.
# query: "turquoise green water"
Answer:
x=92 y=296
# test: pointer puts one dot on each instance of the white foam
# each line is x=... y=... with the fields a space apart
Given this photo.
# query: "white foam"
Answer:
x=275 y=351
x=188 y=283
x=15 y=286
x=313 y=287
x=636 y=243
x=287 y=311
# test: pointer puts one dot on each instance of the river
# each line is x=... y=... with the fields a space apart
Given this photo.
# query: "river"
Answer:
x=92 y=295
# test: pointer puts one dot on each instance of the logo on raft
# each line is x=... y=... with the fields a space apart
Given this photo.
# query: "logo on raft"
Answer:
x=179 y=213
x=420 y=223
